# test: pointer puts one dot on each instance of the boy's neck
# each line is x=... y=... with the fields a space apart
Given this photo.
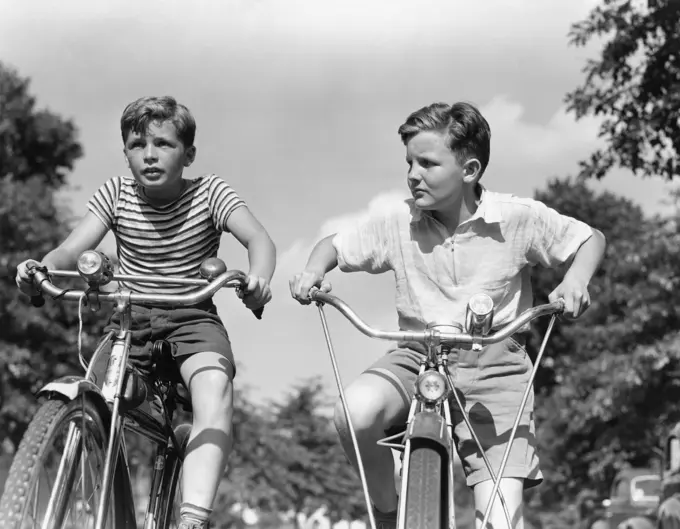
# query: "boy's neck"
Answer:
x=463 y=209
x=166 y=195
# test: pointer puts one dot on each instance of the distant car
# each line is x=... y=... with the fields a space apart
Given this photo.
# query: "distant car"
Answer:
x=634 y=499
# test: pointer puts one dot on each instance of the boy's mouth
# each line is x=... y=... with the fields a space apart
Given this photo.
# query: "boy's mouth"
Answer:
x=152 y=171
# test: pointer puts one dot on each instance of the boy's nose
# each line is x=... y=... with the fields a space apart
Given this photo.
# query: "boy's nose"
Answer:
x=150 y=153
x=414 y=176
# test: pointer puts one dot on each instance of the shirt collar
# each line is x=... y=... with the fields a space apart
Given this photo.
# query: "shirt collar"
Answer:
x=486 y=210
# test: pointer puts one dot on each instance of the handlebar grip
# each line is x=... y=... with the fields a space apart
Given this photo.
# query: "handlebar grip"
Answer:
x=37 y=300
x=258 y=313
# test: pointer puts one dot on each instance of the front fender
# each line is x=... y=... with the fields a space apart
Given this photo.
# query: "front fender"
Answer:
x=71 y=387
x=429 y=425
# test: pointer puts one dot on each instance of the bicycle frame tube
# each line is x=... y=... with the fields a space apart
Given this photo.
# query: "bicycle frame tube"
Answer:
x=112 y=389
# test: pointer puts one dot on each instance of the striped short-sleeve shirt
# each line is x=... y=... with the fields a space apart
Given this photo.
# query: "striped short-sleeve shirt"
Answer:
x=170 y=240
x=436 y=272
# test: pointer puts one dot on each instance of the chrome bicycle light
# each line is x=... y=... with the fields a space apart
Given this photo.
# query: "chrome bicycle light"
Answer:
x=95 y=267
x=479 y=315
x=431 y=387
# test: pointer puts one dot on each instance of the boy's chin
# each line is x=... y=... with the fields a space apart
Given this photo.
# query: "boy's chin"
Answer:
x=424 y=203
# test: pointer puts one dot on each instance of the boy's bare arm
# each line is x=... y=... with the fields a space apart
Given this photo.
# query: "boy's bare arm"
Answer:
x=322 y=260
x=261 y=255
x=87 y=234
x=574 y=286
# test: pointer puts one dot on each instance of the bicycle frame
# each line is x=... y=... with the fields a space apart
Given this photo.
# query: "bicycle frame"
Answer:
x=431 y=421
x=135 y=420
x=114 y=406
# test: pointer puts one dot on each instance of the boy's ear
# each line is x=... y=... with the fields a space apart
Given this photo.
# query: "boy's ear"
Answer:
x=472 y=171
x=127 y=161
x=189 y=156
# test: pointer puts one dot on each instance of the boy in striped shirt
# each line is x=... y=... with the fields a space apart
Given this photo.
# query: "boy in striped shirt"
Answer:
x=167 y=225
x=452 y=240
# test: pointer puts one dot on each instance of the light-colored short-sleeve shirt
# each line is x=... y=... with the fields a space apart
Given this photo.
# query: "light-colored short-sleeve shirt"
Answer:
x=165 y=240
x=436 y=273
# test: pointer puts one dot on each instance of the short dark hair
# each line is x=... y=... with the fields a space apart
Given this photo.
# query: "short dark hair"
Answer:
x=140 y=113
x=468 y=131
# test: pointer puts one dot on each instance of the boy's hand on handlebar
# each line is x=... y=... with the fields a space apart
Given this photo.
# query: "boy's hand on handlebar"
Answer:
x=256 y=293
x=24 y=280
x=302 y=283
x=575 y=295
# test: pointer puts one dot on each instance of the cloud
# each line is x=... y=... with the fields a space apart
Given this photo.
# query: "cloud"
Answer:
x=294 y=258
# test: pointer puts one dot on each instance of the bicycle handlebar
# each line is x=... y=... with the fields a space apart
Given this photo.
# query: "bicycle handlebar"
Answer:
x=226 y=279
x=445 y=337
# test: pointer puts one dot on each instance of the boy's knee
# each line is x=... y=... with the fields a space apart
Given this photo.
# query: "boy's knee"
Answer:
x=213 y=396
x=365 y=410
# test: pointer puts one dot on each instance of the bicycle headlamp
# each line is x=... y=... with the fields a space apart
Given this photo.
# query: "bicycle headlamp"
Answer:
x=94 y=267
x=479 y=315
x=431 y=387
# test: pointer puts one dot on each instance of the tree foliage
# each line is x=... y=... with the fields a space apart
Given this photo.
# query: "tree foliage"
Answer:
x=634 y=86
x=37 y=149
x=34 y=143
x=609 y=393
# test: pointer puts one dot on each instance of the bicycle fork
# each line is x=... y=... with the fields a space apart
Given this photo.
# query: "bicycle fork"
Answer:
x=112 y=391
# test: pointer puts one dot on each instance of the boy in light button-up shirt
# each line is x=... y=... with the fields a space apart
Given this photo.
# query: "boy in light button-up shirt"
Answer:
x=454 y=239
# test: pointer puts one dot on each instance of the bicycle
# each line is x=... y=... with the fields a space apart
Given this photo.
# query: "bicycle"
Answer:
x=426 y=499
x=92 y=420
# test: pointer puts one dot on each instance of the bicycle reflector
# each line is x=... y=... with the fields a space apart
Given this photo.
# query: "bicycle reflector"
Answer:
x=95 y=268
x=431 y=387
x=479 y=315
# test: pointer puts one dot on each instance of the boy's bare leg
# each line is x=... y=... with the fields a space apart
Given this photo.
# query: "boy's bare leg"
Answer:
x=208 y=377
x=512 y=490
x=374 y=405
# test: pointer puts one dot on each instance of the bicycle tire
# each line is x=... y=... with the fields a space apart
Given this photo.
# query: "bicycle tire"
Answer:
x=669 y=513
x=424 y=489
x=170 y=479
x=33 y=451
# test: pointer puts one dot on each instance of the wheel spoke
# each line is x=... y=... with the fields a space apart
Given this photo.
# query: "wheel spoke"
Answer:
x=56 y=478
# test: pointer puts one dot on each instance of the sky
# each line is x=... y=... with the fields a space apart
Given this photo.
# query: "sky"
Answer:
x=298 y=104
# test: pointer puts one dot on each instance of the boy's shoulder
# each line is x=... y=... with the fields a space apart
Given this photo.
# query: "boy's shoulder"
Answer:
x=509 y=205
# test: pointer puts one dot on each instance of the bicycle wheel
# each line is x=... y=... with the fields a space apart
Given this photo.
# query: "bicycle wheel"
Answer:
x=170 y=499
x=424 y=489
x=65 y=443
x=669 y=513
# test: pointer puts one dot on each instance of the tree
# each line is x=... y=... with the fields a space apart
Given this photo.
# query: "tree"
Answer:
x=622 y=222
x=33 y=143
x=613 y=377
x=37 y=149
x=634 y=86
x=315 y=469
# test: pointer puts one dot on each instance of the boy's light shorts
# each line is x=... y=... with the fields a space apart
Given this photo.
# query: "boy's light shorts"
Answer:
x=490 y=384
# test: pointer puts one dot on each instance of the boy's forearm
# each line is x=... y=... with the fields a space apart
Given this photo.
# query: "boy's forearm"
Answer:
x=262 y=256
x=588 y=258
x=59 y=259
x=324 y=257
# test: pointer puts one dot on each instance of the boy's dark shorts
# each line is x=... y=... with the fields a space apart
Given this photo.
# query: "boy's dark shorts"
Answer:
x=189 y=330
x=490 y=384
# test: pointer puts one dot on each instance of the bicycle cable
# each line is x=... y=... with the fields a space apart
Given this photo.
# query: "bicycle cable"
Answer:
x=81 y=306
